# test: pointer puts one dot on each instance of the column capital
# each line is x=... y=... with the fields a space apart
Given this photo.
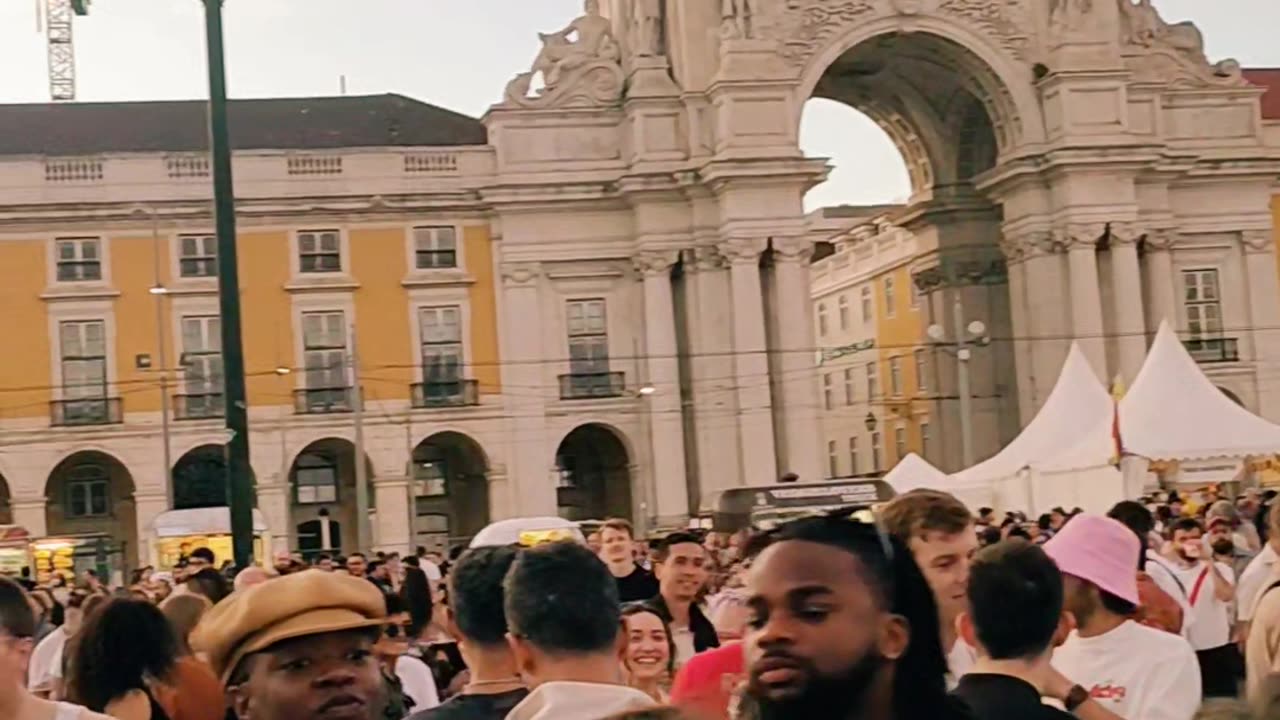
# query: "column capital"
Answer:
x=795 y=249
x=707 y=258
x=655 y=263
x=1161 y=238
x=521 y=273
x=1029 y=244
x=1079 y=236
x=1257 y=241
x=740 y=251
x=1125 y=233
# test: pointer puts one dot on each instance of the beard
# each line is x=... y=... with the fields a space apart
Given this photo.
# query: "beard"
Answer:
x=1224 y=546
x=823 y=696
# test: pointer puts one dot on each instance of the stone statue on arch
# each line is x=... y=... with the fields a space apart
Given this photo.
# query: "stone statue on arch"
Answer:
x=739 y=18
x=648 y=27
x=588 y=42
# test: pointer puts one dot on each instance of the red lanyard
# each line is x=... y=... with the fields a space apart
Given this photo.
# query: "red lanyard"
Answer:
x=1195 y=590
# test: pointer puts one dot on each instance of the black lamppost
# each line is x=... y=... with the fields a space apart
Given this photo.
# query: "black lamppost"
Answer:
x=871 y=422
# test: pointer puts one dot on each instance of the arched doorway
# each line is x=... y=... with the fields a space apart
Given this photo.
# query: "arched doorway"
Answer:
x=595 y=474
x=90 y=495
x=450 y=490
x=322 y=504
x=200 y=478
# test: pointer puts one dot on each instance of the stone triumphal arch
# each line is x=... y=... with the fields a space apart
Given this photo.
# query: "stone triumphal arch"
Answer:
x=1062 y=153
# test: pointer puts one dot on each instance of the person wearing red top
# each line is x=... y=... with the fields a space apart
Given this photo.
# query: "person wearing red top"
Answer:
x=707 y=685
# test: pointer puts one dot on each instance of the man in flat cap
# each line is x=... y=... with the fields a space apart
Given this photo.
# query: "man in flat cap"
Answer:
x=300 y=646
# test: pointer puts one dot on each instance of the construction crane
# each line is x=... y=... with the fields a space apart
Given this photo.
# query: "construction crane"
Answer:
x=59 y=17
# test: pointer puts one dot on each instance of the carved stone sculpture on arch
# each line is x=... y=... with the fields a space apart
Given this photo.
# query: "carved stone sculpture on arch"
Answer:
x=567 y=56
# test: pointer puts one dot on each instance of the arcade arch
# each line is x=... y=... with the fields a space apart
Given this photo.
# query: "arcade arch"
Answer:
x=92 y=493
x=595 y=472
x=450 y=490
x=322 y=502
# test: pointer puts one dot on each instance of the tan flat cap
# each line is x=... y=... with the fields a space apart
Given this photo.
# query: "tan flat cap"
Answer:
x=306 y=603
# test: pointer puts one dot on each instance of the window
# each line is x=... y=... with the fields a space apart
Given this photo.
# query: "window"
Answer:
x=848 y=386
x=875 y=452
x=84 y=360
x=79 y=259
x=924 y=440
x=900 y=442
x=588 y=338
x=319 y=251
x=873 y=390
x=915 y=294
x=844 y=312
x=867 y=309
x=316 y=479
x=895 y=376
x=435 y=247
x=822 y=319
x=833 y=462
x=826 y=391
x=1203 y=303
x=922 y=372
x=853 y=456
x=429 y=476
x=888 y=297
x=324 y=354
x=197 y=256
x=430 y=528
x=202 y=363
x=441 y=331
x=88 y=492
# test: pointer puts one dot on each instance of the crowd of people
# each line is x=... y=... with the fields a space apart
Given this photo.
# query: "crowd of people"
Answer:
x=1159 y=610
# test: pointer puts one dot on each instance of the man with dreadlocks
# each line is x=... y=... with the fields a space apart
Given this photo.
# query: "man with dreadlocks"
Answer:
x=842 y=626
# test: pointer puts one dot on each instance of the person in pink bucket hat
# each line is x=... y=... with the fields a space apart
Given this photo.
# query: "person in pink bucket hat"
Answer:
x=1133 y=671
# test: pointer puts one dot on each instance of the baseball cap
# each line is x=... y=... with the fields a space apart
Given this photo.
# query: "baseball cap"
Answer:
x=1222 y=511
x=1101 y=551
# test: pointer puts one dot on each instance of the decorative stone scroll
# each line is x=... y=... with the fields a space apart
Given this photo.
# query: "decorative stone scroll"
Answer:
x=807 y=25
x=520 y=273
x=1029 y=245
x=793 y=249
x=1157 y=51
x=1257 y=241
x=650 y=263
x=1125 y=233
x=1079 y=235
x=741 y=250
x=585 y=71
x=963 y=267
x=708 y=258
x=1006 y=21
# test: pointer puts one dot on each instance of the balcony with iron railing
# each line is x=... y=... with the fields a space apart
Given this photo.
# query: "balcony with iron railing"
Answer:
x=86 y=411
x=198 y=406
x=322 y=401
x=446 y=393
x=1213 y=349
x=588 y=386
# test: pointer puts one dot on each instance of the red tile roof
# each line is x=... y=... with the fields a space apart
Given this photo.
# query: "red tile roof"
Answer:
x=1268 y=78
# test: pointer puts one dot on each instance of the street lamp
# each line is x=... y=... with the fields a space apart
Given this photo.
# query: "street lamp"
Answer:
x=965 y=335
x=870 y=422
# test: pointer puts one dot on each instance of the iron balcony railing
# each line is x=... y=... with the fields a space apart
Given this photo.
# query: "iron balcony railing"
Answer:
x=445 y=393
x=1213 y=350
x=86 y=411
x=322 y=401
x=198 y=406
x=586 y=386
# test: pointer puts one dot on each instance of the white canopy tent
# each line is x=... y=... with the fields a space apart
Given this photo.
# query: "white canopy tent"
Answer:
x=914 y=472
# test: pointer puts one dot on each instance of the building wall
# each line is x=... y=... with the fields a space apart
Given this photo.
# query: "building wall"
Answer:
x=899 y=334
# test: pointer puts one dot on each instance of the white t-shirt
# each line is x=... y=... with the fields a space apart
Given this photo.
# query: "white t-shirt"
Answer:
x=686 y=648
x=1163 y=574
x=1253 y=579
x=1136 y=672
x=418 y=683
x=1210 y=625
x=46 y=660
x=431 y=570
x=960 y=661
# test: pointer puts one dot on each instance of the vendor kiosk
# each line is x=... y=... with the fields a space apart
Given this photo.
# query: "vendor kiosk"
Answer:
x=177 y=532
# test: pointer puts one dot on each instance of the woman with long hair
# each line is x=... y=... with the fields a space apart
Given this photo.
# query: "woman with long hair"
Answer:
x=650 y=658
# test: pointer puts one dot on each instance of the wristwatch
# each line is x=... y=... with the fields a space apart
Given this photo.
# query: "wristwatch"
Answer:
x=1076 y=697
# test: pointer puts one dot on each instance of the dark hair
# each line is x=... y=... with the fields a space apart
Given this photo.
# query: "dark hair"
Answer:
x=16 y=616
x=413 y=561
x=122 y=644
x=1117 y=605
x=1015 y=600
x=989 y=536
x=359 y=555
x=562 y=599
x=1044 y=521
x=373 y=566
x=921 y=511
x=415 y=591
x=1186 y=525
x=476 y=593
x=320 y=558
x=637 y=608
x=985 y=511
x=1059 y=510
x=205 y=554
x=620 y=525
x=209 y=583
x=1019 y=532
x=920 y=686
x=420 y=551
x=663 y=550
x=1135 y=516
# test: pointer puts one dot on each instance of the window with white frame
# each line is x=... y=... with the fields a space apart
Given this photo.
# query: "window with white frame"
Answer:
x=88 y=492
x=853 y=456
x=873 y=384
x=83 y=345
x=833 y=462
x=315 y=479
x=822 y=319
x=900 y=442
x=925 y=439
x=78 y=259
x=915 y=292
x=889 y=306
x=868 y=308
x=843 y=304
x=319 y=251
x=922 y=371
x=876 y=452
x=441 y=331
x=895 y=376
x=435 y=247
x=827 y=391
x=1203 y=303
x=197 y=256
x=588 y=337
x=202 y=364
x=848 y=386
x=324 y=351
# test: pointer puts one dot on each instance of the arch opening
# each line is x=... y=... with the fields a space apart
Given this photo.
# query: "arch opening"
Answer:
x=89 y=495
x=200 y=478
x=322 y=502
x=594 y=469
x=449 y=491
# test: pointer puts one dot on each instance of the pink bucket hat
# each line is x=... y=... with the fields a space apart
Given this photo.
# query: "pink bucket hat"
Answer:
x=1101 y=551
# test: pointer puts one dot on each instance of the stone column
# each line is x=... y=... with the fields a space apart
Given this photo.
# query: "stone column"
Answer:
x=751 y=363
x=1047 y=323
x=800 y=442
x=715 y=399
x=392 y=532
x=1081 y=241
x=273 y=503
x=1162 y=292
x=666 y=425
x=29 y=513
x=530 y=463
x=500 y=498
x=1264 y=308
x=146 y=507
x=1126 y=292
x=1022 y=358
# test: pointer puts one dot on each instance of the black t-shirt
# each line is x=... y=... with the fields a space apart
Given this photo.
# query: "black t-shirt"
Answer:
x=474 y=707
x=639 y=586
x=1004 y=697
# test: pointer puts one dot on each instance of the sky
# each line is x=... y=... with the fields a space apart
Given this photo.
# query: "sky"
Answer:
x=450 y=53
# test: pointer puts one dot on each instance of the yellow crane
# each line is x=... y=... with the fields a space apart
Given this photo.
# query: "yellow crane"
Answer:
x=59 y=19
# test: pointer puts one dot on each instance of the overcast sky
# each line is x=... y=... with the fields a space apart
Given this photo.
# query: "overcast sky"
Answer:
x=454 y=53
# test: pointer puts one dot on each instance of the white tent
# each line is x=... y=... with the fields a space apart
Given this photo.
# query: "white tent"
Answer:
x=914 y=472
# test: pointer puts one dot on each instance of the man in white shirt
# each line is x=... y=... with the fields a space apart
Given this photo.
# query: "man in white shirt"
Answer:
x=1210 y=591
x=939 y=529
x=44 y=672
x=1255 y=575
x=1132 y=671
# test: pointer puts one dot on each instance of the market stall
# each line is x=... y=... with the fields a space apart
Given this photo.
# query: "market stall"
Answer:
x=178 y=532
